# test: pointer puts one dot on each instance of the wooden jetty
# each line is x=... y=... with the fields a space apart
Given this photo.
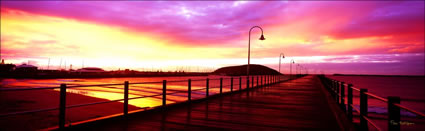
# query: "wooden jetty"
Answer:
x=299 y=104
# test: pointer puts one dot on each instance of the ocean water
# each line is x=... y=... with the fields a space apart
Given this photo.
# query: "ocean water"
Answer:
x=411 y=91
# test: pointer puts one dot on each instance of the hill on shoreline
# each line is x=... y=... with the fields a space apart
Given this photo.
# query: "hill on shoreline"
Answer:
x=241 y=70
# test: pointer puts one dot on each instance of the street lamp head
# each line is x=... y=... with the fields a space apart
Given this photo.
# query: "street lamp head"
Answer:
x=283 y=55
x=262 y=37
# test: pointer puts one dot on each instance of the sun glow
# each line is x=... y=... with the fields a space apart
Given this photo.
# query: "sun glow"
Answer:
x=94 y=43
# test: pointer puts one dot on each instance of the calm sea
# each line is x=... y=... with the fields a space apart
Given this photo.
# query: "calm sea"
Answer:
x=411 y=90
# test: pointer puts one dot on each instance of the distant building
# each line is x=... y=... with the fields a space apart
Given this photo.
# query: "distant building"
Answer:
x=7 y=67
x=26 y=68
x=90 y=70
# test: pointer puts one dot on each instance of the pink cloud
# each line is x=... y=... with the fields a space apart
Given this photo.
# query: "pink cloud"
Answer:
x=217 y=23
x=191 y=23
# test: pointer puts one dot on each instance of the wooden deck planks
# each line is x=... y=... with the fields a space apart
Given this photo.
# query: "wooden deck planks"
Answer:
x=294 y=105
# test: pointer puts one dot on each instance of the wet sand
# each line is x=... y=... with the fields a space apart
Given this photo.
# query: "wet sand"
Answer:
x=15 y=101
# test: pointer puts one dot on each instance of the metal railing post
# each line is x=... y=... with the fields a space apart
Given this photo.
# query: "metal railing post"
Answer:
x=272 y=79
x=221 y=85
x=62 y=106
x=343 y=97
x=231 y=84
x=267 y=79
x=330 y=86
x=333 y=88
x=262 y=81
x=363 y=110
x=189 y=90
x=252 y=81
x=247 y=82
x=393 y=113
x=208 y=87
x=275 y=79
x=350 y=102
x=337 y=92
x=125 y=98
x=240 y=83
x=164 y=93
x=257 y=82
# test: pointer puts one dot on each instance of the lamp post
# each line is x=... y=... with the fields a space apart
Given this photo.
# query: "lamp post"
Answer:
x=249 y=45
x=281 y=56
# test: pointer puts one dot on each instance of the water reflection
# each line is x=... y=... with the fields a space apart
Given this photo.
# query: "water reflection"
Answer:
x=176 y=91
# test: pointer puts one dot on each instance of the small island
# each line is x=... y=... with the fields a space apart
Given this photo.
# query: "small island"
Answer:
x=241 y=70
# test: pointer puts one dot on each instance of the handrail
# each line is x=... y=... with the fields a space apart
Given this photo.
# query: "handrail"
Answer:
x=377 y=97
x=355 y=108
x=268 y=79
x=368 y=120
x=138 y=83
x=394 y=107
x=372 y=123
x=27 y=112
x=101 y=85
x=410 y=110
x=357 y=89
x=23 y=89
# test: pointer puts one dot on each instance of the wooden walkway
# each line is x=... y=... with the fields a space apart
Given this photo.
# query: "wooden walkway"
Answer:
x=299 y=104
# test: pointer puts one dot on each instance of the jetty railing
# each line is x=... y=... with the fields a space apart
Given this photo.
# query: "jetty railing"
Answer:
x=337 y=91
x=262 y=80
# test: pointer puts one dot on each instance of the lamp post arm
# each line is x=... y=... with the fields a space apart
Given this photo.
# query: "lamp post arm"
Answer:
x=249 y=46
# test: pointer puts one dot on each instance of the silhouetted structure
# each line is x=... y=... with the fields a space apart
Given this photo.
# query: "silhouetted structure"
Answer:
x=91 y=70
x=26 y=68
x=242 y=70
x=7 y=67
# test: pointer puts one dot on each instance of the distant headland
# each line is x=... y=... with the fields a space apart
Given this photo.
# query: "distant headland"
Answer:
x=241 y=70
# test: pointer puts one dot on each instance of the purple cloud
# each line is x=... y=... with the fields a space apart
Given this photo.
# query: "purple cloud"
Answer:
x=191 y=22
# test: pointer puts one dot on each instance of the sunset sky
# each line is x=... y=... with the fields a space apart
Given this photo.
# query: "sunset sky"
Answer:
x=367 y=37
